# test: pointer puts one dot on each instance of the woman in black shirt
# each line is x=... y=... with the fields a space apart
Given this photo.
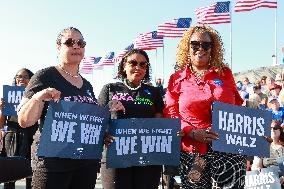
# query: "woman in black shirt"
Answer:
x=53 y=83
x=140 y=101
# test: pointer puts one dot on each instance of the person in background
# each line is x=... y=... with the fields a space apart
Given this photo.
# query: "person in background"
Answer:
x=276 y=110
x=276 y=151
x=54 y=83
x=263 y=97
x=18 y=141
x=202 y=79
x=159 y=85
x=268 y=82
x=279 y=79
x=248 y=85
x=134 y=72
x=274 y=90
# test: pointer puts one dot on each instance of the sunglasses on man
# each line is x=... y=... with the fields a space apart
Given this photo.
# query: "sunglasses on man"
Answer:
x=195 y=45
x=134 y=63
x=71 y=42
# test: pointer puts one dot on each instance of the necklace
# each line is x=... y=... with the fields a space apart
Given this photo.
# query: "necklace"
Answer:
x=75 y=76
x=132 y=88
x=198 y=74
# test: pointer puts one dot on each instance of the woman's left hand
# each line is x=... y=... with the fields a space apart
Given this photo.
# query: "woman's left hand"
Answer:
x=115 y=106
x=108 y=139
x=205 y=135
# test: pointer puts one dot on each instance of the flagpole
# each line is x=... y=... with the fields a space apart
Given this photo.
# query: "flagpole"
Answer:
x=231 y=37
x=275 y=34
x=163 y=76
x=156 y=58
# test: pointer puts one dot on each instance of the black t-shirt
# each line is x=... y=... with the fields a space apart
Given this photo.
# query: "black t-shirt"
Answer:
x=50 y=77
x=144 y=102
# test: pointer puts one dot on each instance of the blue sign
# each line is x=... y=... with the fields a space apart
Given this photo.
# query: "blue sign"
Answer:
x=12 y=96
x=265 y=178
x=73 y=130
x=241 y=130
x=144 y=141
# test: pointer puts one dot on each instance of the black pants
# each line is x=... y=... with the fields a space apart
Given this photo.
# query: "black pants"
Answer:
x=80 y=178
x=228 y=170
x=147 y=177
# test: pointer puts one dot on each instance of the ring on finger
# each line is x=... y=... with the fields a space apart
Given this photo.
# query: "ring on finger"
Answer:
x=207 y=131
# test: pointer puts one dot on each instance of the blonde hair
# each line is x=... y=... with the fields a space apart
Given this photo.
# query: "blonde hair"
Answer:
x=253 y=101
x=217 y=51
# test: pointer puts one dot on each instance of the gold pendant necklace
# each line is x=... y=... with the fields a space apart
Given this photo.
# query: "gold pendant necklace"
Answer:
x=75 y=76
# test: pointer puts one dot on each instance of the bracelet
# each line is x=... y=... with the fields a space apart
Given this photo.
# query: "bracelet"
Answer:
x=193 y=134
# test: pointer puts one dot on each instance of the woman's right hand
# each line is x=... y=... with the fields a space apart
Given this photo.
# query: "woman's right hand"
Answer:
x=204 y=135
x=47 y=95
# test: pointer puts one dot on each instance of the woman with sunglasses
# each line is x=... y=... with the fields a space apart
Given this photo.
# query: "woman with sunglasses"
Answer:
x=134 y=72
x=202 y=78
x=54 y=83
x=18 y=141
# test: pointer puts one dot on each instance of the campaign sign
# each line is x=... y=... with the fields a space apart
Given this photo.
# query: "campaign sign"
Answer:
x=241 y=130
x=73 y=130
x=12 y=96
x=264 y=179
x=144 y=141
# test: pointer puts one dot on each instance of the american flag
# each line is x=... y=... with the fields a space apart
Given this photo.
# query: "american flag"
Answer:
x=217 y=13
x=107 y=60
x=175 y=28
x=249 y=5
x=96 y=63
x=118 y=57
x=87 y=65
x=148 y=41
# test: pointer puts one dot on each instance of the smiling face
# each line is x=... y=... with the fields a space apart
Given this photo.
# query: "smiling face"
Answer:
x=22 y=78
x=135 y=68
x=71 y=54
x=200 y=50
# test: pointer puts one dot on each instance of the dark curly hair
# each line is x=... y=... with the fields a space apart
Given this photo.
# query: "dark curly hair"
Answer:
x=121 y=73
x=30 y=73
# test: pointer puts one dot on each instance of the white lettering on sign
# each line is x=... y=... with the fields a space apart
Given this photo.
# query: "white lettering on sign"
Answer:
x=90 y=133
x=156 y=144
x=125 y=145
x=59 y=129
x=241 y=123
x=15 y=96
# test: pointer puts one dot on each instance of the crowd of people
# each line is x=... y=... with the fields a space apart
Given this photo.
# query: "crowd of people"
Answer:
x=201 y=77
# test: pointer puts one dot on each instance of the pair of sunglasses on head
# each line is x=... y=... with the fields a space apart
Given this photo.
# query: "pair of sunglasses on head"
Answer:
x=71 y=42
x=195 y=45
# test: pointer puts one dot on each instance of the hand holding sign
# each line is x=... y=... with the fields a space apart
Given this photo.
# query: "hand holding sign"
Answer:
x=47 y=95
x=115 y=105
x=204 y=135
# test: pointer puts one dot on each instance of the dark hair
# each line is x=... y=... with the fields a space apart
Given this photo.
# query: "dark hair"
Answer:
x=30 y=73
x=121 y=73
x=61 y=34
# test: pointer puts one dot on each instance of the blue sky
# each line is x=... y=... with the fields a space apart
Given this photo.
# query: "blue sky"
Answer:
x=29 y=30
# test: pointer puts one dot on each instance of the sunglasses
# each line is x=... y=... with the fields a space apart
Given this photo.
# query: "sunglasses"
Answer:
x=195 y=45
x=275 y=128
x=142 y=65
x=71 y=42
x=22 y=77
